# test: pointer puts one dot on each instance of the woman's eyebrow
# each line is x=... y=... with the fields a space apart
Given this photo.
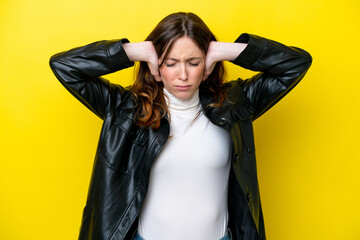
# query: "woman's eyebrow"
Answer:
x=188 y=59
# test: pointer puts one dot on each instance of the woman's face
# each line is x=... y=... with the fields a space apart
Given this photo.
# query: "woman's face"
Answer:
x=183 y=68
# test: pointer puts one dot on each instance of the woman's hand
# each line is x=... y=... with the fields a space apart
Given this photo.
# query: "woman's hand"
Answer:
x=221 y=51
x=144 y=51
x=210 y=60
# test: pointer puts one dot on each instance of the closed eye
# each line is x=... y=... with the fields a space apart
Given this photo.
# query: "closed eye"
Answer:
x=194 y=64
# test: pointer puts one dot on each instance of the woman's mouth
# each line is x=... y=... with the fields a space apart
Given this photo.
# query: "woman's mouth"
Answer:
x=182 y=87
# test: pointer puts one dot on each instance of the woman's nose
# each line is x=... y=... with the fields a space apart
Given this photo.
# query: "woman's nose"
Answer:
x=183 y=75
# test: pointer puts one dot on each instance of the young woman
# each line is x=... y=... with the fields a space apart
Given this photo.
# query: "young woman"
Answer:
x=176 y=156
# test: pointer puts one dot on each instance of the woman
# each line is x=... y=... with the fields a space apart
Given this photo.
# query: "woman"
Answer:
x=176 y=156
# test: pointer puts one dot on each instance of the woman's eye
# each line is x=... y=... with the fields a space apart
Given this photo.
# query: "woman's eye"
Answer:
x=194 y=64
x=170 y=65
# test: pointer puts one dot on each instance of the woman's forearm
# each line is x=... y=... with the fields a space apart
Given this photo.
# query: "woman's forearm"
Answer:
x=221 y=51
x=140 y=51
x=145 y=52
x=225 y=51
x=80 y=70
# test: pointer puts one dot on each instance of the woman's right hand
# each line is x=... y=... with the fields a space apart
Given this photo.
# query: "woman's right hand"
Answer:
x=144 y=51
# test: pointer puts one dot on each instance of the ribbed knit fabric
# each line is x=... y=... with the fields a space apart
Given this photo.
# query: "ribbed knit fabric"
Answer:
x=187 y=195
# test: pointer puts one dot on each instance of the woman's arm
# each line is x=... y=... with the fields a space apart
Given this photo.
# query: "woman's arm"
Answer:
x=281 y=67
x=145 y=52
x=221 y=51
x=80 y=70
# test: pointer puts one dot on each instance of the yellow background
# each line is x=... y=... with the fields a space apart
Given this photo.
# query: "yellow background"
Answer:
x=307 y=145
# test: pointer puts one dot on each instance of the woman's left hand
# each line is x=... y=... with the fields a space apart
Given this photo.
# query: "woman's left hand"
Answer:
x=210 y=60
x=221 y=51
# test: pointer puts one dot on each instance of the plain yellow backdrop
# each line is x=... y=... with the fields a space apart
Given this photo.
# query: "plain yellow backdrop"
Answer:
x=307 y=145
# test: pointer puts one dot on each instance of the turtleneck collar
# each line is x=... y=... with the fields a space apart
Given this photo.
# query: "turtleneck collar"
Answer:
x=176 y=105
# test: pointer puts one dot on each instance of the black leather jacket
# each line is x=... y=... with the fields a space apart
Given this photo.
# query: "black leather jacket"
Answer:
x=126 y=153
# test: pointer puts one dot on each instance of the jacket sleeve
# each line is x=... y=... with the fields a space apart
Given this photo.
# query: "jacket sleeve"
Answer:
x=281 y=68
x=80 y=70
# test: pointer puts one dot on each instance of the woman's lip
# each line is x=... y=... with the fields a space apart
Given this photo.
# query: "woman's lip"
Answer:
x=182 y=87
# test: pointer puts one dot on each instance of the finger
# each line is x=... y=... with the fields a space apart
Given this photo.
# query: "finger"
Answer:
x=157 y=76
x=207 y=73
x=154 y=70
x=205 y=76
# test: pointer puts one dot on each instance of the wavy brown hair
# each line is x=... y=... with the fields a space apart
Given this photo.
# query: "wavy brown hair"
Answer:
x=147 y=92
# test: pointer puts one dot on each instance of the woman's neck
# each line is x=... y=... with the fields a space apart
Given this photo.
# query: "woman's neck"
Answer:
x=182 y=106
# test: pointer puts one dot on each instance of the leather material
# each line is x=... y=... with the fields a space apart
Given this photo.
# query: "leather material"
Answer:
x=126 y=152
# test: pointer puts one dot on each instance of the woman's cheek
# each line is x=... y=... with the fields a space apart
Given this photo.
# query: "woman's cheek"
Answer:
x=199 y=72
x=167 y=74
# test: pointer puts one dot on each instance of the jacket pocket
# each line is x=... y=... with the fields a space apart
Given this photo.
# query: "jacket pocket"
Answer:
x=136 y=150
x=122 y=146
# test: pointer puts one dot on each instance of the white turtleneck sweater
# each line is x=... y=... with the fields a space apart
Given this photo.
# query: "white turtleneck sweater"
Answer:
x=187 y=195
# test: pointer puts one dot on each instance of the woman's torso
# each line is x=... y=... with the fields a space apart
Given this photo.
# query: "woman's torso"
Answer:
x=187 y=195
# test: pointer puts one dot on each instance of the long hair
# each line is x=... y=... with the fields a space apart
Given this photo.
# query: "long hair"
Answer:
x=147 y=92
